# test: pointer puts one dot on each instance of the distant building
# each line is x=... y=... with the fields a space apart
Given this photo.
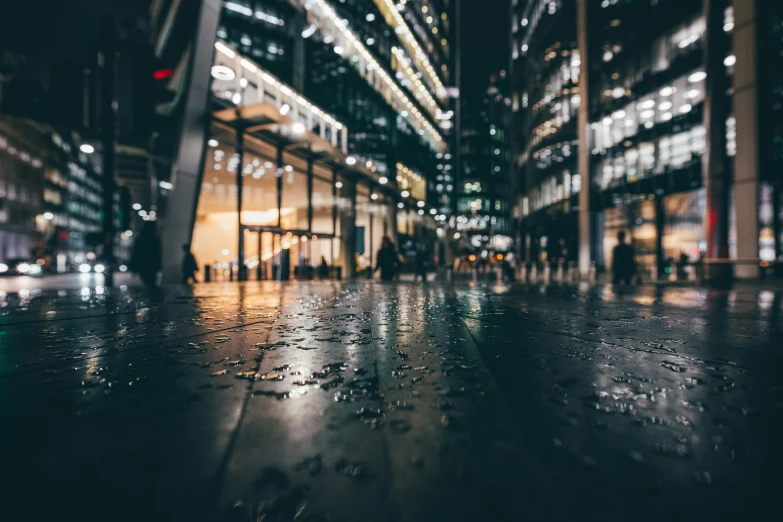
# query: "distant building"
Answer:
x=483 y=196
x=682 y=113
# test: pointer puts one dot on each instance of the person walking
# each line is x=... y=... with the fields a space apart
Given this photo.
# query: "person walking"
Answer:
x=623 y=261
x=387 y=260
x=420 y=264
x=324 y=273
x=146 y=256
x=189 y=265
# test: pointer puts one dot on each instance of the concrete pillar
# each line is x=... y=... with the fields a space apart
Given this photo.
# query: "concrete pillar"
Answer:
x=746 y=112
x=715 y=173
x=585 y=238
x=188 y=165
x=660 y=221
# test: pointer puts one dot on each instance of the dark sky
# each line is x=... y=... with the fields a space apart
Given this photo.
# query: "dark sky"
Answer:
x=485 y=45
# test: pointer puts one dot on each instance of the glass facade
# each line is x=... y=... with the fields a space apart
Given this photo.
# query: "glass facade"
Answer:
x=648 y=135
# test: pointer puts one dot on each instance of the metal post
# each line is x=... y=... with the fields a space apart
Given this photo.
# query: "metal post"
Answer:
x=310 y=194
x=259 y=269
x=279 y=174
x=108 y=61
x=370 y=247
x=334 y=204
x=240 y=146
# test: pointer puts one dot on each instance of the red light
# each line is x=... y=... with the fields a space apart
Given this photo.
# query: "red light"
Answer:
x=163 y=74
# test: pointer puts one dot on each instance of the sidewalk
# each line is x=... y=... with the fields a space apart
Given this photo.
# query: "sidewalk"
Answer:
x=391 y=402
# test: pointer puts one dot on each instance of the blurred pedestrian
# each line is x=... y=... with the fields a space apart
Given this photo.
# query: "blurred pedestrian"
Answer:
x=146 y=256
x=387 y=260
x=324 y=268
x=682 y=264
x=420 y=264
x=623 y=261
x=189 y=265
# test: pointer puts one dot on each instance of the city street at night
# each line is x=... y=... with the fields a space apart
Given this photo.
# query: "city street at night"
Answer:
x=368 y=401
x=391 y=260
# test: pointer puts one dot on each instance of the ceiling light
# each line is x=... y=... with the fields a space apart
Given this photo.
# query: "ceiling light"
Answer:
x=223 y=73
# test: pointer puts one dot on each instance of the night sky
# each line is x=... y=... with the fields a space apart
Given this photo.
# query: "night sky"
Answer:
x=485 y=45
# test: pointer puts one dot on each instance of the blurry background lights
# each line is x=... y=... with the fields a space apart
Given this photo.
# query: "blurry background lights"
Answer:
x=87 y=148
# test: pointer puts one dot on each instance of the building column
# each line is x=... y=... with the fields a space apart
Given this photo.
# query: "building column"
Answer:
x=187 y=169
x=715 y=172
x=585 y=237
x=660 y=222
x=348 y=230
x=746 y=112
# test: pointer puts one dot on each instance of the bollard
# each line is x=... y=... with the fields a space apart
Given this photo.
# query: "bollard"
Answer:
x=523 y=273
x=654 y=273
x=231 y=272
x=207 y=273
x=547 y=273
x=534 y=273
x=592 y=272
x=559 y=273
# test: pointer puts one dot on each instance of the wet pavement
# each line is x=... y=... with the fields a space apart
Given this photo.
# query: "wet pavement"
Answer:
x=399 y=402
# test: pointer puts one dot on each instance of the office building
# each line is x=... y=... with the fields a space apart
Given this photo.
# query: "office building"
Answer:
x=327 y=124
x=660 y=119
x=483 y=197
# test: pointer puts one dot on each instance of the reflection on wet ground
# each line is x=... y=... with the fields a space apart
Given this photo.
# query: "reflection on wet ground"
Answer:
x=355 y=402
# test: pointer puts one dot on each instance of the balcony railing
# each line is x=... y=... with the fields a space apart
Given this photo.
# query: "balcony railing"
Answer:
x=239 y=81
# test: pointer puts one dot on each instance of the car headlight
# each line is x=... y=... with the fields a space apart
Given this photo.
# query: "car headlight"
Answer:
x=84 y=268
x=99 y=268
x=3 y=268
x=123 y=268
x=34 y=270
x=23 y=268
